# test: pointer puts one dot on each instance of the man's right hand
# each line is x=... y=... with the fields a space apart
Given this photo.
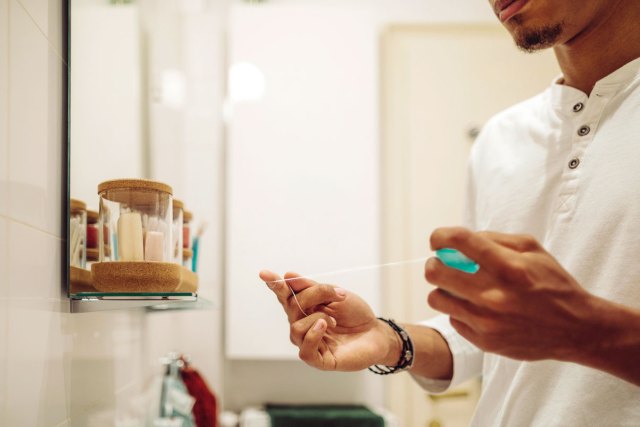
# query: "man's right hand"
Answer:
x=340 y=333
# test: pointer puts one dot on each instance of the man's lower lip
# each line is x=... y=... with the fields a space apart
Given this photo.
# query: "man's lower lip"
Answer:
x=511 y=10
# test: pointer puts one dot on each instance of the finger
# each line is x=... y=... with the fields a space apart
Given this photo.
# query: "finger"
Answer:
x=465 y=331
x=487 y=253
x=456 y=282
x=518 y=242
x=277 y=285
x=456 y=308
x=309 y=350
x=319 y=295
x=297 y=282
x=300 y=328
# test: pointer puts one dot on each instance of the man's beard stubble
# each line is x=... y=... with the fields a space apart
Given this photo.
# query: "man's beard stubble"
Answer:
x=534 y=39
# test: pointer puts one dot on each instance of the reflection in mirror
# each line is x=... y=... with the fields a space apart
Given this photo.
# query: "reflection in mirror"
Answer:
x=146 y=90
x=107 y=98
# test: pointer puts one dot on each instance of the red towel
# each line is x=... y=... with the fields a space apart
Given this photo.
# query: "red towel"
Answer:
x=205 y=410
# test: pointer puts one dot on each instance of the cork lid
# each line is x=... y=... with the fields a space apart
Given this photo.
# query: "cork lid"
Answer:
x=92 y=217
x=187 y=216
x=143 y=194
x=76 y=205
x=178 y=204
x=134 y=184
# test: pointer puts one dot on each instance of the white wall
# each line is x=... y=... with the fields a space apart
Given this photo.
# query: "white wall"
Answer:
x=57 y=368
x=105 y=97
x=303 y=177
x=308 y=28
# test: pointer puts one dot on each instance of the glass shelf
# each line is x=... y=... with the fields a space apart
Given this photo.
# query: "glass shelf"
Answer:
x=87 y=302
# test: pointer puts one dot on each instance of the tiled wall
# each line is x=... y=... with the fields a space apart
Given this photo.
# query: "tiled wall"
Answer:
x=57 y=368
x=34 y=333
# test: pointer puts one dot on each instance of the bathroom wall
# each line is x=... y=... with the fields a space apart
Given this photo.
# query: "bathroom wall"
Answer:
x=36 y=335
x=57 y=368
x=321 y=25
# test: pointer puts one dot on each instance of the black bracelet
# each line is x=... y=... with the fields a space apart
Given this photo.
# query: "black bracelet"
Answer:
x=406 y=355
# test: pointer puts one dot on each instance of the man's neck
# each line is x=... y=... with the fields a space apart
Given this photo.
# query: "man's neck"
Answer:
x=601 y=48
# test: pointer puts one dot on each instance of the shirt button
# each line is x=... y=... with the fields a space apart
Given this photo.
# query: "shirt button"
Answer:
x=578 y=107
x=574 y=163
x=584 y=131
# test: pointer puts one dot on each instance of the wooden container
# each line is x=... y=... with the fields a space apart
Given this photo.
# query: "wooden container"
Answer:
x=189 y=282
x=136 y=277
x=80 y=280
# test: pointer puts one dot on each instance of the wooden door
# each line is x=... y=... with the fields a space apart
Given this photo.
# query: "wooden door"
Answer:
x=439 y=85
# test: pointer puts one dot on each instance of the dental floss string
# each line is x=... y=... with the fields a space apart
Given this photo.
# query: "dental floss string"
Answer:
x=355 y=269
x=346 y=270
x=450 y=257
x=295 y=298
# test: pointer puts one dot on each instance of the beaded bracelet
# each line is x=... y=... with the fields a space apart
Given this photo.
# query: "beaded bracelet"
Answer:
x=406 y=355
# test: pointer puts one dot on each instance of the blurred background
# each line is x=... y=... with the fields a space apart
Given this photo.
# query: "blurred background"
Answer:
x=305 y=135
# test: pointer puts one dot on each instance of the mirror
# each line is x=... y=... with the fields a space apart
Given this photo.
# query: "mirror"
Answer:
x=146 y=91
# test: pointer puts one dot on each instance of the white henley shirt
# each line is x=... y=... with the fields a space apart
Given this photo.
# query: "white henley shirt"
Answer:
x=565 y=168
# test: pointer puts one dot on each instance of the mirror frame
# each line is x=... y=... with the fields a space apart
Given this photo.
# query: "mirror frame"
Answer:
x=66 y=145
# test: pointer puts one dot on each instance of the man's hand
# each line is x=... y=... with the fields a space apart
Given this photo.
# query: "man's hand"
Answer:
x=522 y=304
x=341 y=332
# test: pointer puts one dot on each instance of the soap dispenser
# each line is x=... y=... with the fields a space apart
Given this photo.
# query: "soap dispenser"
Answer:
x=175 y=401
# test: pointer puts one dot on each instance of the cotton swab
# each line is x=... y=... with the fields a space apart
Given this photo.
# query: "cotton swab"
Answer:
x=74 y=243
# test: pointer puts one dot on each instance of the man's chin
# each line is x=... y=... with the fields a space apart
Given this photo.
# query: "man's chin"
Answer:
x=535 y=39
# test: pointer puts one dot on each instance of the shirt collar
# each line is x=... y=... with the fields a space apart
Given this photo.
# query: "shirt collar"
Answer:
x=563 y=96
x=622 y=76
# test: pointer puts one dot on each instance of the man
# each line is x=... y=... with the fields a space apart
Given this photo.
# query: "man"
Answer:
x=552 y=318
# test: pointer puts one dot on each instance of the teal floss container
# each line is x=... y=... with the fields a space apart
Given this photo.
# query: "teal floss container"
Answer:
x=455 y=259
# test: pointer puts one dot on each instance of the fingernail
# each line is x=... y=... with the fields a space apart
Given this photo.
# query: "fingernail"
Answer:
x=320 y=324
x=340 y=292
x=334 y=322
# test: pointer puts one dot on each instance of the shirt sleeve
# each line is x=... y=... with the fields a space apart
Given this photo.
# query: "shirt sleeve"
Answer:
x=467 y=358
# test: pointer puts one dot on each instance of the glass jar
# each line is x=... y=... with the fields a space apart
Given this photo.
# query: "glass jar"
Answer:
x=137 y=221
x=178 y=236
x=187 y=253
x=77 y=233
x=93 y=254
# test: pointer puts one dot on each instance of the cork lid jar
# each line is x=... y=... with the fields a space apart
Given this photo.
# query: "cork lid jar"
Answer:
x=178 y=221
x=77 y=233
x=137 y=219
